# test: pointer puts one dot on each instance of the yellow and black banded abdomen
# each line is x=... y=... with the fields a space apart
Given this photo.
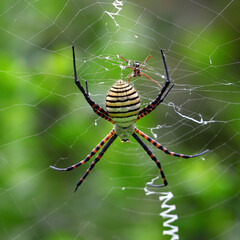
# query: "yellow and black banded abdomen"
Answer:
x=123 y=103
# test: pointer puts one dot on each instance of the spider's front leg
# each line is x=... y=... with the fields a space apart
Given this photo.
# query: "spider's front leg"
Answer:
x=143 y=63
x=96 y=108
x=129 y=66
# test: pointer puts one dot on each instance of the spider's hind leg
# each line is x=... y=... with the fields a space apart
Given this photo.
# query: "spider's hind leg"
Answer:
x=99 y=156
x=165 y=150
x=93 y=152
x=153 y=157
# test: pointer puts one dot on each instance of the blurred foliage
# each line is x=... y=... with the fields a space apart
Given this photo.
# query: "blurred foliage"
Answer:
x=45 y=120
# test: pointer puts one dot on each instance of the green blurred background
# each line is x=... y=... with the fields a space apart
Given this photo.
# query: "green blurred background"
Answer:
x=45 y=120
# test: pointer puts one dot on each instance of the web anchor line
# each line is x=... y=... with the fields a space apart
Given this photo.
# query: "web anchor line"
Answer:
x=165 y=197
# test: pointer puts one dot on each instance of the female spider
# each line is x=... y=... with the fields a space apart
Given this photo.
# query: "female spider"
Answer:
x=136 y=68
x=123 y=110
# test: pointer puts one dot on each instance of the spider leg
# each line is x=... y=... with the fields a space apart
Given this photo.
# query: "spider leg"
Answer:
x=160 y=97
x=96 y=108
x=143 y=63
x=132 y=75
x=96 y=160
x=150 y=78
x=88 y=156
x=151 y=106
x=159 y=146
x=86 y=84
x=124 y=60
x=153 y=157
x=129 y=67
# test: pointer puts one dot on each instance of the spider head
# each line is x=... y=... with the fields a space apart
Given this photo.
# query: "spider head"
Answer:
x=136 y=64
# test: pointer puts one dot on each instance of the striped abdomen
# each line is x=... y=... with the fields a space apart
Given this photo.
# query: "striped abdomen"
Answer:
x=123 y=104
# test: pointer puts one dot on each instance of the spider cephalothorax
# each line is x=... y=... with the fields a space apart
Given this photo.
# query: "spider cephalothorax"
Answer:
x=123 y=110
x=136 y=64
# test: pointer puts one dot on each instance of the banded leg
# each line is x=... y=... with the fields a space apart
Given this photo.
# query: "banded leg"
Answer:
x=96 y=108
x=96 y=160
x=153 y=157
x=88 y=156
x=159 y=146
x=151 y=106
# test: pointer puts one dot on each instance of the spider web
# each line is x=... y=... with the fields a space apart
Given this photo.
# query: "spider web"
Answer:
x=45 y=120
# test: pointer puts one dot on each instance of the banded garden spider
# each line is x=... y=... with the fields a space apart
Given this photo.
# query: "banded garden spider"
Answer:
x=123 y=110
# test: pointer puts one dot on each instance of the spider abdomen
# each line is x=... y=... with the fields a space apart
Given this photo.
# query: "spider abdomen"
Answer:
x=123 y=104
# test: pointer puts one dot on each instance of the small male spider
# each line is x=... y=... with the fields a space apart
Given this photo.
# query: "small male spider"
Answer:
x=136 y=68
x=123 y=110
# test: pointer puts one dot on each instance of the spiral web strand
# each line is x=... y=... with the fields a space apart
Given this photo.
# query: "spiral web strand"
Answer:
x=164 y=197
x=172 y=217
